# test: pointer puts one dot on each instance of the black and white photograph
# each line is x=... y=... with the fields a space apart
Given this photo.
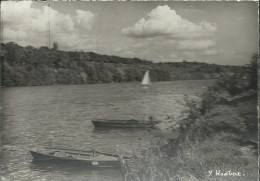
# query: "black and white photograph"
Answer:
x=129 y=90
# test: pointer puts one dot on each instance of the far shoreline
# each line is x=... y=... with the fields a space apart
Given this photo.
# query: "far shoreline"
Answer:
x=106 y=83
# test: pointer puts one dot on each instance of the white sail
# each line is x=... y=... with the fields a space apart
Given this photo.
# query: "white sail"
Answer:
x=146 y=79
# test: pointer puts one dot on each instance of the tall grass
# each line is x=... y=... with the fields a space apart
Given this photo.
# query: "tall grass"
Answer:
x=193 y=161
x=220 y=152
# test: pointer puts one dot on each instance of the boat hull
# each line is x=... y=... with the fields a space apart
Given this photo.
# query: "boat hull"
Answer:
x=124 y=123
x=42 y=157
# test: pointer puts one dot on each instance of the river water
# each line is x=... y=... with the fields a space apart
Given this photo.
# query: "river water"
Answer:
x=60 y=116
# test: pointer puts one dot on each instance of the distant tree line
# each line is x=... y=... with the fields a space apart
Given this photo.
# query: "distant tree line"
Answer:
x=27 y=66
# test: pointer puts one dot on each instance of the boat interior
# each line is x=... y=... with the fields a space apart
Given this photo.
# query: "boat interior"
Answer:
x=86 y=155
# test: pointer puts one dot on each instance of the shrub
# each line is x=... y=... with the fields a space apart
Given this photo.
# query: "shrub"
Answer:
x=218 y=153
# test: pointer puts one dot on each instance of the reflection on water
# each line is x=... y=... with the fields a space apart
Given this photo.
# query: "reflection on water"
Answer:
x=60 y=116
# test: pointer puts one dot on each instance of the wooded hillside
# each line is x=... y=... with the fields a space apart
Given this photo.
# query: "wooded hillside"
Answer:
x=27 y=66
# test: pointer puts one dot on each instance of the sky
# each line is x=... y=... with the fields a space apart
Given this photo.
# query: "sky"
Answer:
x=220 y=32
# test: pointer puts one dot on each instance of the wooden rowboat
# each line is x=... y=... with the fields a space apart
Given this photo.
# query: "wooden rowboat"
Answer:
x=91 y=158
x=132 y=123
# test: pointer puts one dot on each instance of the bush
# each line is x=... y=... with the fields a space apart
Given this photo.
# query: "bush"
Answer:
x=210 y=137
x=218 y=153
x=194 y=160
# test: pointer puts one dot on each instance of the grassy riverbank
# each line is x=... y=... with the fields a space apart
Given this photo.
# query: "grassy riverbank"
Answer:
x=216 y=139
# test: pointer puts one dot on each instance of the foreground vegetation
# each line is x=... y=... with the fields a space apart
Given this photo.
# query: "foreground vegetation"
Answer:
x=217 y=140
x=27 y=66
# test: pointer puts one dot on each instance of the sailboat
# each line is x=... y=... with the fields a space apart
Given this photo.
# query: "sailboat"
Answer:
x=146 y=79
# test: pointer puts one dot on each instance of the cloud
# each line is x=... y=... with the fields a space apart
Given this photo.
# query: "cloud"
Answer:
x=241 y=18
x=28 y=24
x=164 y=22
x=165 y=35
x=195 y=44
x=85 y=19
x=210 y=52
x=172 y=55
x=121 y=48
x=189 y=54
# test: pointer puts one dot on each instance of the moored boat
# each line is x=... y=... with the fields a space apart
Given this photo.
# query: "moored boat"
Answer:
x=91 y=158
x=131 y=123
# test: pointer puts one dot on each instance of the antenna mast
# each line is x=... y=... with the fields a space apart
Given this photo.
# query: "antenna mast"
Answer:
x=46 y=35
x=2 y=26
x=1 y=52
x=49 y=24
x=1 y=44
x=97 y=46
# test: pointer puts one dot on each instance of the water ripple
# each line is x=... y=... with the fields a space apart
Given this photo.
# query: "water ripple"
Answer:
x=60 y=116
